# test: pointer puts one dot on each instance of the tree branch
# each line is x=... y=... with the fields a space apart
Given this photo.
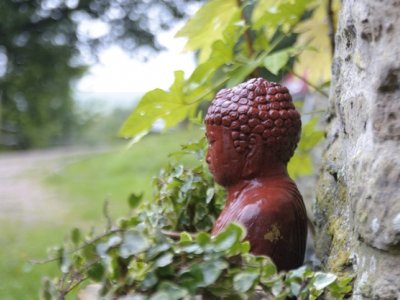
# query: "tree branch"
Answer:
x=247 y=36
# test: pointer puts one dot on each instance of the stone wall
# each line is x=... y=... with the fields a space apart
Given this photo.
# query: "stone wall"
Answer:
x=357 y=210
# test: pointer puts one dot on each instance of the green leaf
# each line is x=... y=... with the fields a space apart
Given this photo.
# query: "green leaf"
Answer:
x=164 y=260
x=268 y=270
x=208 y=25
x=298 y=273
x=192 y=248
x=174 y=291
x=242 y=282
x=160 y=296
x=277 y=288
x=210 y=194
x=322 y=280
x=295 y=288
x=150 y=280
x=203 y=238
x=239 y=74
x=134 y=200
x=76 y=235
x=185 y=237
x=96 y=272
x=300 y=165
x=155 y=105
x=244 y=247
x=272 y=14
x=231 y=235
x=211 y=270
x=310 y=135
x=133 y=243
x=276 y=61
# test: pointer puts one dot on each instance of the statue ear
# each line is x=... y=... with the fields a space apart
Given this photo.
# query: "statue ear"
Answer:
x=253 y=157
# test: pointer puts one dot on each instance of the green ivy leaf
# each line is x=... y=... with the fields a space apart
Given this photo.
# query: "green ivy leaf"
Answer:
x=160 y=296
x=203 y=238
x=298 y=273
x=134 y=200
x=268 y=269
x=230 y=236
x=211 y=270
x=322 y=280
x=96 y=272
x=276 y=61
x=164 y=260
x=174 y=291
x=133 y=243
x=277 y=288
x=185 y=237
x=210 y=194
x=295 y=288
x=242 y=282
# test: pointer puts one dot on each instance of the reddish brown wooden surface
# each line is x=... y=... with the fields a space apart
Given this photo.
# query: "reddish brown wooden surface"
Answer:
x=249 y=159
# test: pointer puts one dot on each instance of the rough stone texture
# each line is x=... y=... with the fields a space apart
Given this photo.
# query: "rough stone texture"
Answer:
x=357 y=209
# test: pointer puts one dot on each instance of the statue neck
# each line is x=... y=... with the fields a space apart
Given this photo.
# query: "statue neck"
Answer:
x=266 y=176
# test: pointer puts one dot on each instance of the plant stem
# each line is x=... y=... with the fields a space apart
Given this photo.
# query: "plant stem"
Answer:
x=247 y=36
x=175 y=235
x=246 y=33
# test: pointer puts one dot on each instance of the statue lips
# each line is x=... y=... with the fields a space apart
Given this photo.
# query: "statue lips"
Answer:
x=251 y=139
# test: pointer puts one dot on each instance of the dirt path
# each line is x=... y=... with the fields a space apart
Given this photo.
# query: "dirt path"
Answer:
x=22 y=195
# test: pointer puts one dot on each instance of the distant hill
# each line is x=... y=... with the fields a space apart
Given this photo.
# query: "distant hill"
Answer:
x=103 y=102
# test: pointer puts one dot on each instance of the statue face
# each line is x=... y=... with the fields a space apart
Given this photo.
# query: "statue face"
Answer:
x=225 y=163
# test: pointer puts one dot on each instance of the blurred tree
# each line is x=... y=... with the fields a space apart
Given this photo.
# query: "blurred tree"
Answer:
x=46 y=44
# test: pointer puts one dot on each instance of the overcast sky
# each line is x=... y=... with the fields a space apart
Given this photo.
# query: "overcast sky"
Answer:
x=117 y=72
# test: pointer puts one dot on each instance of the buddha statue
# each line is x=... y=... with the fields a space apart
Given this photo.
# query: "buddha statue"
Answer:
x=252 y=131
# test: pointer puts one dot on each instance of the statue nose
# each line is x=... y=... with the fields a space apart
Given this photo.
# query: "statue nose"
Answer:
x=208 y=159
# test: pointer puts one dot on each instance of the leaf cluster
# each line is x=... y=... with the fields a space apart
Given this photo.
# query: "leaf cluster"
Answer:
x=234 y=40
x=151 y=255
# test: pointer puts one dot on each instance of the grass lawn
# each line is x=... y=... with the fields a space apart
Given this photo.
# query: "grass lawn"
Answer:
x=82 y=186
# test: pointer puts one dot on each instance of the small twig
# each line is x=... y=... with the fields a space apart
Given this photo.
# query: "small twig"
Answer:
x=106 y=214
x=45 y=261
x=318 y=89
x=175 y=235
x=315 y=112
x=331 y=26
x=78 y=282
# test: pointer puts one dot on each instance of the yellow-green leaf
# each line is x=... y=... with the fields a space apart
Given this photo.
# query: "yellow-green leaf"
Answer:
x=276 y=61
x=155 y=105
x=208 y=25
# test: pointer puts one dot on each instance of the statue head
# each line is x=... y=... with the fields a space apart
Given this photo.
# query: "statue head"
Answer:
x=248 y=127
